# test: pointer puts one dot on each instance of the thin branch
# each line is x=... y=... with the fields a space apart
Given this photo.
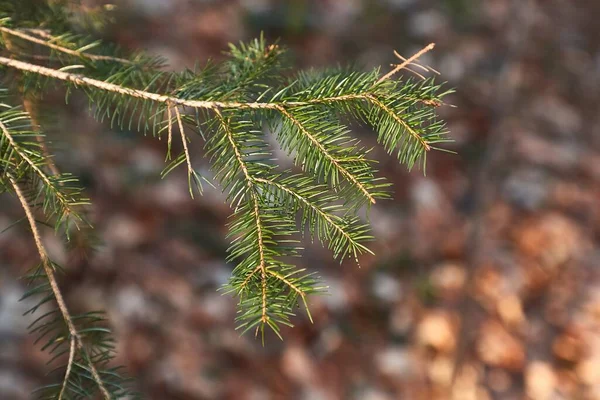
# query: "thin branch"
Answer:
x=184 y=143
x=169 y=132
x=262 y=266
x=85 y=81
x=75 y=53
x=40 y=32
x=69 y=367
x=287 y=282
x=142 y=94
x=29 y=109
x=62 y=306
x=406 y=62
x=427 y=68
x=327 y=155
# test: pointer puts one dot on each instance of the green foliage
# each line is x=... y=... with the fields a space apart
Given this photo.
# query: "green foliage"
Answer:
x=21 y=155
x=24 y=167
x=237 y=107
x=54 y=337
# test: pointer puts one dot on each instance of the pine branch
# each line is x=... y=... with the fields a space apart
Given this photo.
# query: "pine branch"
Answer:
x=22 y=165
x=75 y=336
x=262 y=267
x=230 y=105
x=337 y=163
x=399 y=120
x=342 y=235
x=24 y=158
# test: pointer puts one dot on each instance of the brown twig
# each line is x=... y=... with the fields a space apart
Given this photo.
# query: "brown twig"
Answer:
x=169 y=132
x=407 y=62
x=69 y=367
x=186 y=151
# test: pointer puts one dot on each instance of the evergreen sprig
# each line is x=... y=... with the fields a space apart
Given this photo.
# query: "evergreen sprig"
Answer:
x=21 y=155
x=237 y=107
x=80 y=345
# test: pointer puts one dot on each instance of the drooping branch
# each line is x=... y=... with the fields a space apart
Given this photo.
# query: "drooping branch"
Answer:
x=262 y=266
x=49 y=271
x=336 y=178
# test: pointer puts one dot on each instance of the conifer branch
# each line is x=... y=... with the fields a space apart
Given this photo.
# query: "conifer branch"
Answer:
x=49 y=271
x=350 y=177
x=65 y=203
x=399 y=120
x=82 y=80
x=295 y=288
x=326 y=216
x=262 y=267
x=50 y=45
x=230 y=105
x=186 y=151
x=141 y=94
x=29 y=109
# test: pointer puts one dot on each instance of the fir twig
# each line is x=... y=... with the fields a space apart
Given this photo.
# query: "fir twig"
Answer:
x=262 y=267
x=60 y=196
x=230 y=105
x=326 y=153
x=49 y=271
x=186 y=151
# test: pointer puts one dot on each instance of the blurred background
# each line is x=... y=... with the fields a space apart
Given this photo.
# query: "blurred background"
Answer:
x=490 y=261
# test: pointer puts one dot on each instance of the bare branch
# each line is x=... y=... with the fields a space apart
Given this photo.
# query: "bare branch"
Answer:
x=69 y=367
x=169 y=132
x=186 y=151
x=407 y=62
